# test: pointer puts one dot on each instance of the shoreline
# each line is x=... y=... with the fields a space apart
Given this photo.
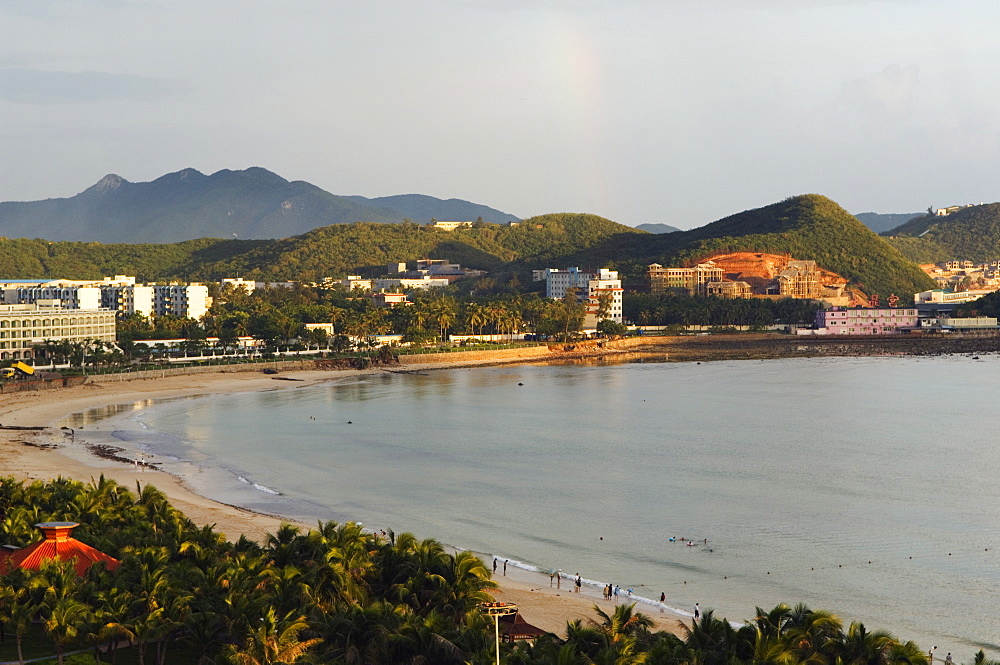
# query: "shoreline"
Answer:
x=29 y=453
x=34 y=448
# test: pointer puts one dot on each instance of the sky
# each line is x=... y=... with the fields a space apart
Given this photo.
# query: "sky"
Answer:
x=643 y=111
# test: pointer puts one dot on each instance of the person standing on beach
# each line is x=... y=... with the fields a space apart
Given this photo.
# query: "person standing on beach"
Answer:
x=579 y=583
x=505 y=567
x=558 y=578
x=948 y=660
x=663 y=596
x=697 y=611
x=494 y=565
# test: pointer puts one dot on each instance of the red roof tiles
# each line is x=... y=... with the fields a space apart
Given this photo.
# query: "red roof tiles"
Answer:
x=58 y=544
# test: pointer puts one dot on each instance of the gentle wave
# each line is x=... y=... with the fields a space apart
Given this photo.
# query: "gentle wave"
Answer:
x=259 y=487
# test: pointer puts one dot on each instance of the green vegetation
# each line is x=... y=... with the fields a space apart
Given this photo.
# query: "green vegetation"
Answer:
x=677 y=310
x=920 y=250
x=335 y=595
x=988 y=305
x=806 y=227
x=329 y=251
x=971 y=234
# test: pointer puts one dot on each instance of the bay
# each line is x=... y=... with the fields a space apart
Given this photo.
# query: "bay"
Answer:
x=864 y=486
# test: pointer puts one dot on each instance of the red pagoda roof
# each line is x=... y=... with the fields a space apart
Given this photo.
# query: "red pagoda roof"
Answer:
x=58 y=544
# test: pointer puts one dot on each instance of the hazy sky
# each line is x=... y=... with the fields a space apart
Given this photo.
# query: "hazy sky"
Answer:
x=672 y=111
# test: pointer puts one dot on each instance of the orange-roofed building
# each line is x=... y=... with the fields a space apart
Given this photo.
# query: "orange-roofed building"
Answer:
x=58 y=544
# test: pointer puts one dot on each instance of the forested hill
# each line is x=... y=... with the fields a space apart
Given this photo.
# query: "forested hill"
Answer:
x=806 y=227
x=971 y=234
x=253 y=203
x=421 y=209
x=331 y=251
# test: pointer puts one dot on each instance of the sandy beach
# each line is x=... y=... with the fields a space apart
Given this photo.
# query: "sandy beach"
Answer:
x=29 y=454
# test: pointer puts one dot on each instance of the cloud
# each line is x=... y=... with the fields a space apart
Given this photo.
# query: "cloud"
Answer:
x=34 y=86
x=890 y=92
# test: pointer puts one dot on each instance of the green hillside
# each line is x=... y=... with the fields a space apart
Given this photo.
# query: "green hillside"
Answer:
x=806 y=227
x=329 y=251
x=971 y=234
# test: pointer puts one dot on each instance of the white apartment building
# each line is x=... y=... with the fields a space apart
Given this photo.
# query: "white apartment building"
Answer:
x=590 y=287
x=134 y=299
x=23 y=326
x=119 y=293
x=188 y=300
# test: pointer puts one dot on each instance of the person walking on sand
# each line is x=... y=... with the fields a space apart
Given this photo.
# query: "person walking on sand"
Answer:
x=948 y=660
x=579 y=583
x=697 y=612
x=494 y=565
x=558 y=578
x=505 y=567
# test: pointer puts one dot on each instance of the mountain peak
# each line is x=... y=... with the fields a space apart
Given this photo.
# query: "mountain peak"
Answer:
x=109 y=183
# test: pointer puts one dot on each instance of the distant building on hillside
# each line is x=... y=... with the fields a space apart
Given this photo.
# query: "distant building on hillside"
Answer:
x=685 y=281
x=944 y=212
x=729 y=289
x=800 y=279
x=402 y=283
x=355 y=282
x=390 y=299
x=766 y=275
x=450 y=226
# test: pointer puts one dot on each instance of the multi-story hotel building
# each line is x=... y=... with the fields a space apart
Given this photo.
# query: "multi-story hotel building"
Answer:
x=24 y=326
x=590 y=289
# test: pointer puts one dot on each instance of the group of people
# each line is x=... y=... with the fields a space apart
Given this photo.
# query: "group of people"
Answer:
x=947 y=659
x=609 y=591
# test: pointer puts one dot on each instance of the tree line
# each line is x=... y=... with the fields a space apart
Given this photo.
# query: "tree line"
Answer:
x=337 y=595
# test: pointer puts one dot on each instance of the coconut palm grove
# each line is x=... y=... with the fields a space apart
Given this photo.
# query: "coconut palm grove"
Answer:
x=335 y=594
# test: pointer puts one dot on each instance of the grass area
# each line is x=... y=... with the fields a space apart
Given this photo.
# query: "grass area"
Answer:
x=36 y=645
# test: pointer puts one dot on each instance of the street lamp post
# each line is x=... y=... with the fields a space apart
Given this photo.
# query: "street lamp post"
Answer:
x=497 y=610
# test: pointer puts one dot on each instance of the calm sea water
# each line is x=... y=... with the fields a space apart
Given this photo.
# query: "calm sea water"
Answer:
x=867 y=487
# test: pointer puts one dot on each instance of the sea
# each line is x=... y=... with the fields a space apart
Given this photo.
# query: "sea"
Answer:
x=864 y=486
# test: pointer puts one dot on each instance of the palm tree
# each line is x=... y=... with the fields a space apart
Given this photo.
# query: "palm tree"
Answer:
x=709 y=639
x=623 y=622
x=476 y=315
x=273 y=642
x=17 y=607
x=62 y=620
x=860 y=647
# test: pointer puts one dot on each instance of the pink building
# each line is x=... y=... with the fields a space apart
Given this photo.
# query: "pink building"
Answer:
x=864 y=321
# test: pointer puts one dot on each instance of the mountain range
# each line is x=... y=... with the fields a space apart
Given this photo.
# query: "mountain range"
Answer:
x=253 y=203
x=805 y=227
